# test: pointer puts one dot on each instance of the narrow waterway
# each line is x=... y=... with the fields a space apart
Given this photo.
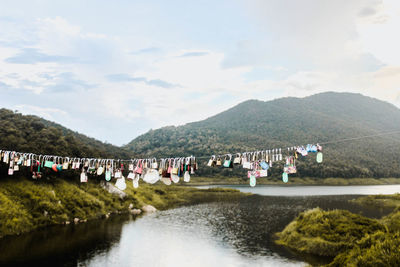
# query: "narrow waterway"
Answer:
x=238 y=233
x=313 y=190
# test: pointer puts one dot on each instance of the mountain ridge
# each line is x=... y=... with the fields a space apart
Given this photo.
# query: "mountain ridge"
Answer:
x=255 y=125
x=249 y=126
x=32 y=134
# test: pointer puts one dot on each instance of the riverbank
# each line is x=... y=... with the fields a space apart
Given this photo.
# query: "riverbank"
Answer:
x=197 y=181
x=26 y=205
x=349 y=239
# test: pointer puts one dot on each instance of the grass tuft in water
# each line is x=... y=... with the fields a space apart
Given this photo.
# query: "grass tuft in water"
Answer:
x=326 y=233
x=378 y=249
x=350 y=239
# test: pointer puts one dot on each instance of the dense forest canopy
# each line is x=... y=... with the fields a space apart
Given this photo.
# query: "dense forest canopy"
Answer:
x=26 y=133
x=256 y=125
x=251 y=125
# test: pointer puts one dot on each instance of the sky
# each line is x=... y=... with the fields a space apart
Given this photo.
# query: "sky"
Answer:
x=113 y=70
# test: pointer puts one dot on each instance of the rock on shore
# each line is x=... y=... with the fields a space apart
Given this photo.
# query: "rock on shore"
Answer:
x=148 y=209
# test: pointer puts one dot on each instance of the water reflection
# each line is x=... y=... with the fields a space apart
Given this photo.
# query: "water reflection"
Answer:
x=237 y=233
x=314 y=190
x=61 y=245
x=219 y=234
x=201 y=235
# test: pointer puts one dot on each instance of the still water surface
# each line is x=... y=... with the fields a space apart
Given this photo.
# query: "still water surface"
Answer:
x=314 y=190
x=238 y=233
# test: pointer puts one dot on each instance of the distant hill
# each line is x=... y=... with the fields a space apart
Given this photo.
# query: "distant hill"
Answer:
x=26 y=133
x=251 y=125
x=255 y=125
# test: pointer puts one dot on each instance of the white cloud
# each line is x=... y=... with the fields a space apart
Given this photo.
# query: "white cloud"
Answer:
x=384 y=84
x=332 y=45
x=315 y=46
x=47 y=113
x=382 y=39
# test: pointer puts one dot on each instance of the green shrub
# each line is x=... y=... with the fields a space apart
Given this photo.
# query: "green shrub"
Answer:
x=14 y=218
x=378 y=249
x=326 y=233
x=26 y=204
x=392 y=221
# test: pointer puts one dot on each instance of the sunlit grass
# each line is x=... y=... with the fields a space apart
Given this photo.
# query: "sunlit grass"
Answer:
x=26 y=204
x=350 y=239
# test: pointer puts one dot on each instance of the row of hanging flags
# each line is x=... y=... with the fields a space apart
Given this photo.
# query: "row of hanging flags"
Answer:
x=152 y=170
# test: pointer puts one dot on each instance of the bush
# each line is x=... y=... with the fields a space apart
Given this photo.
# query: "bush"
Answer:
x=327 y=233
x=378 y=249
x=26 y=204
x=14 y=218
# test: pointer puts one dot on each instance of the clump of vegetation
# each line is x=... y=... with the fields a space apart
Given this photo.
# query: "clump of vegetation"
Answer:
x=350 y=239
x=327 y=233
x=392 y=221
x=14 y=218
x=378 y=249
x=26 y=204
x=387 y=201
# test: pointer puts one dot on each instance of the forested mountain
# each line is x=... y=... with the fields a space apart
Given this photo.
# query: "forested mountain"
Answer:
x=26 y=133
x=251 y=125
x=258 y=125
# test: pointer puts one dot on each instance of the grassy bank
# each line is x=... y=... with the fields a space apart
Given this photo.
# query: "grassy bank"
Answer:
x=26 y=204
x=350 y=239
x=388 y=201
x=293 y=181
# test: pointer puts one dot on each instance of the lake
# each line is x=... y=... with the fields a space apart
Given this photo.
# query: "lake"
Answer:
x=313 y=190
x=238 y=233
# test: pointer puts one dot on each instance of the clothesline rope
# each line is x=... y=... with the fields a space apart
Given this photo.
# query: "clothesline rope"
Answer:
x=334 y=141
x=170 y=169
x=360 y=137
x=207 y=157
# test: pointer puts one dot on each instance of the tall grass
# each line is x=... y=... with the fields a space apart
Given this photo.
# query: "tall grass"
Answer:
x=26 y=204
x=350 y=239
